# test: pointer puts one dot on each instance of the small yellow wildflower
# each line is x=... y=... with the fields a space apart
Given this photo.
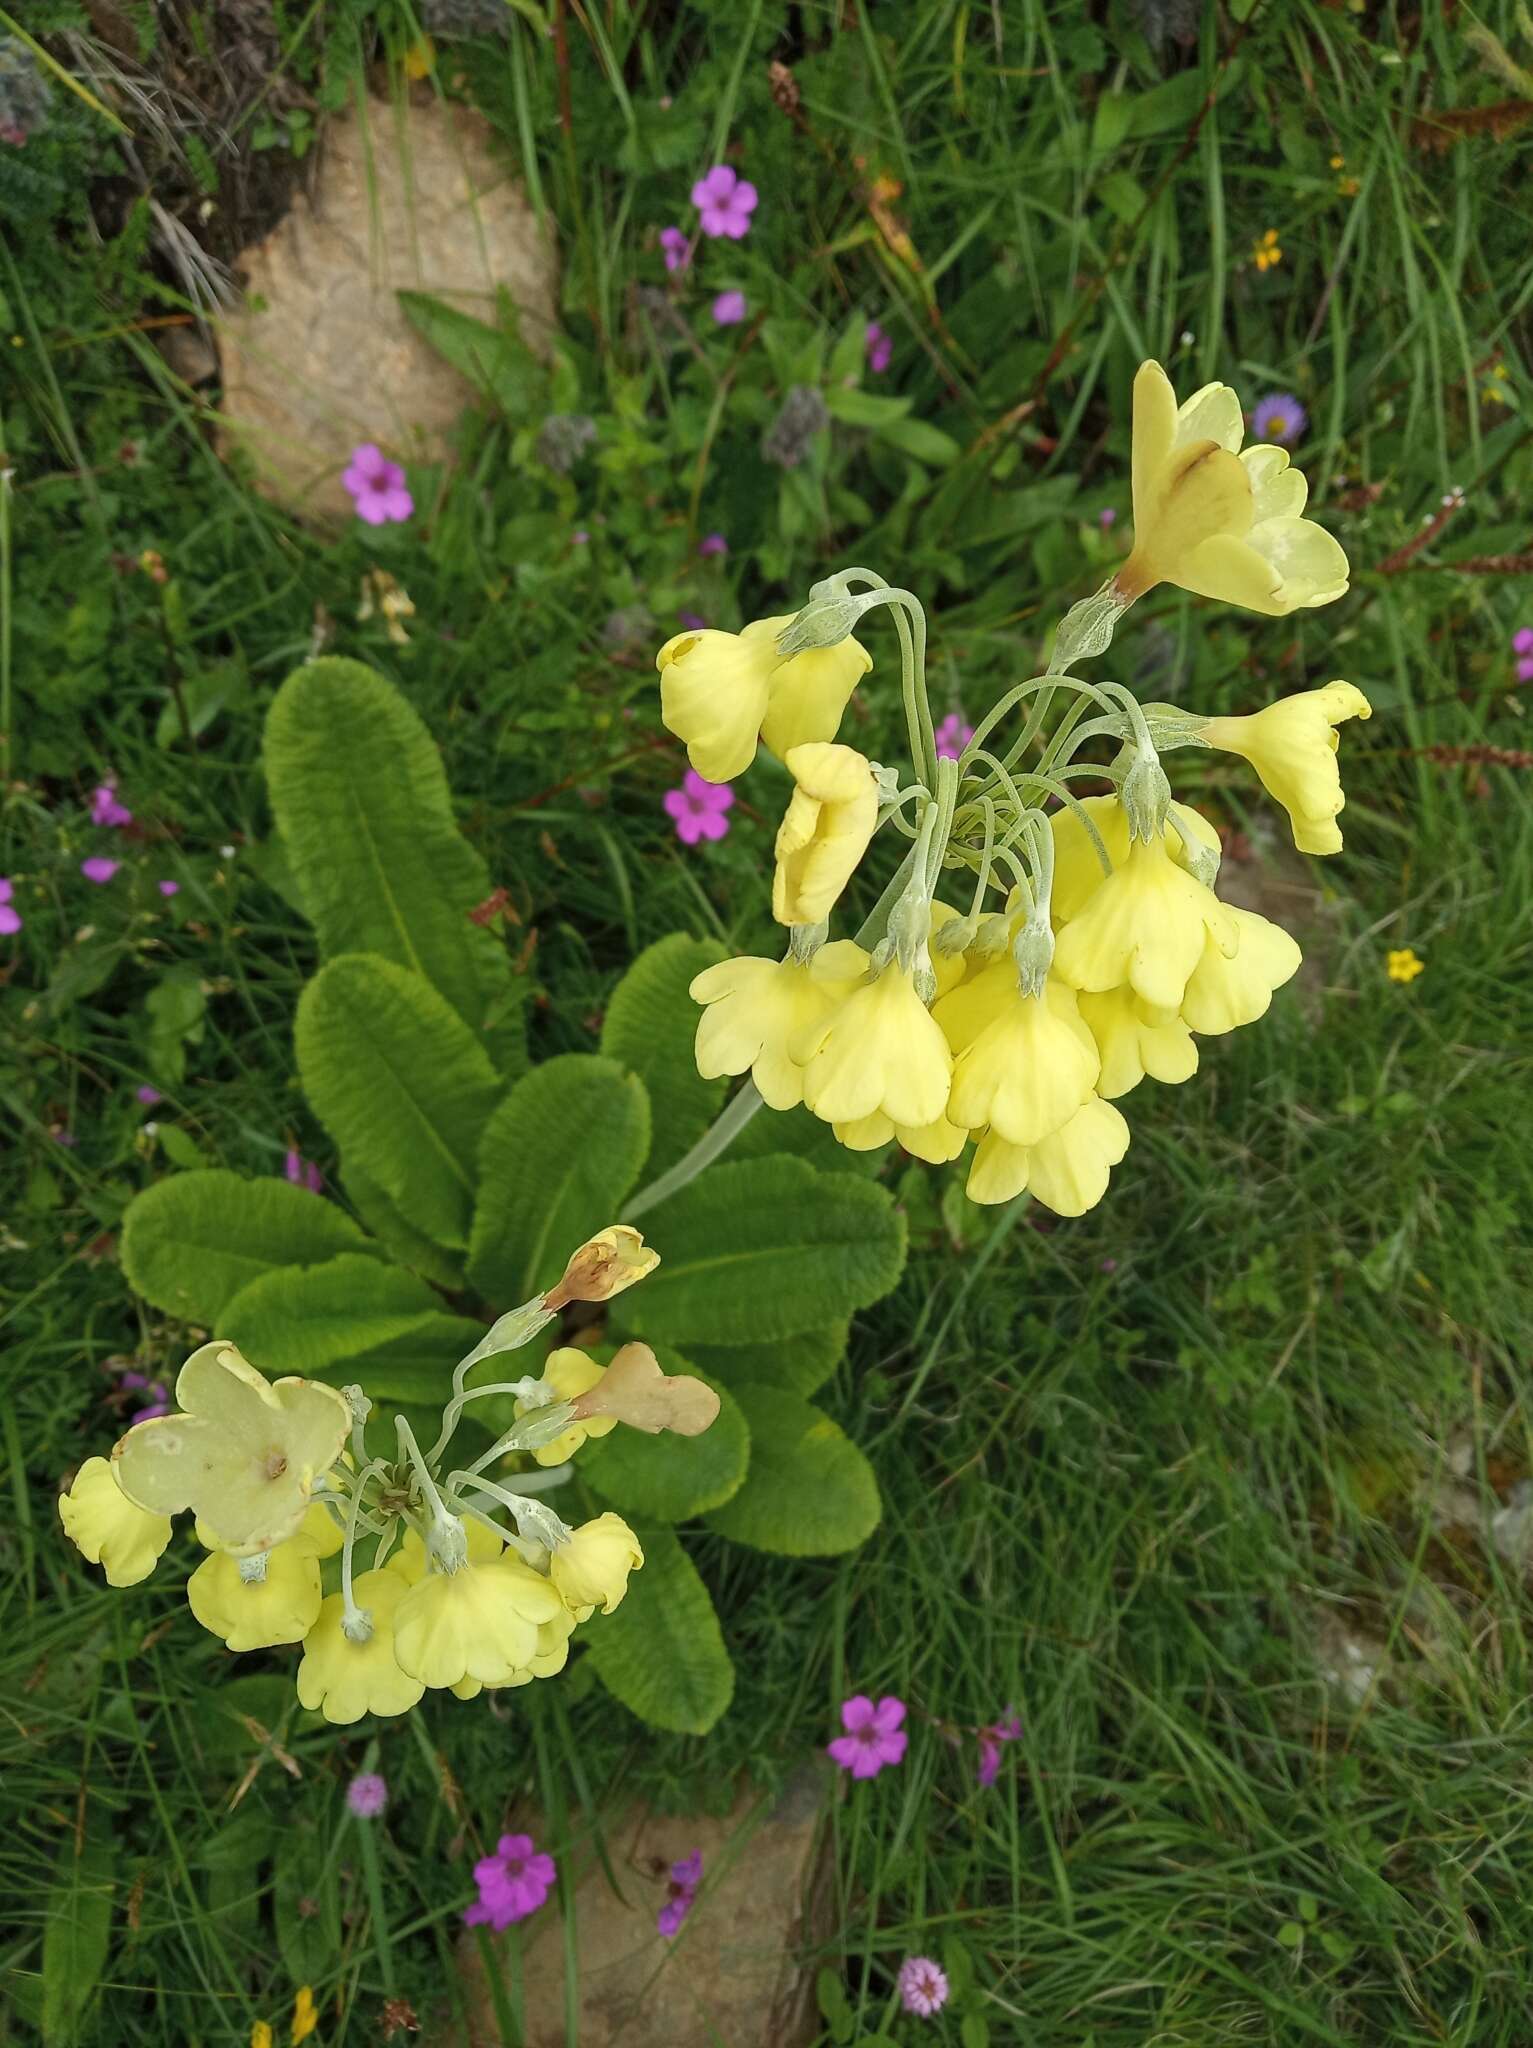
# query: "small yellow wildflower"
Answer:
x=1493 y=391
x=1348 y=187
x=1403 y=965
x=260 y=2035
x=420 y=58
x=1266 y=254
x=305 y=2017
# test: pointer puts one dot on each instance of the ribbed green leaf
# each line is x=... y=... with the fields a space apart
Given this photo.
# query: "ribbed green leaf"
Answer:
x=669 y=1478
x=406 y=1245
x=764 y=1249
x=809 y=1491
x=662 y=1653
x=799 y=1364
x=305 y=1320
x=650 y=1028
x=555 y=1161
x=77 y=1924
x=190 y=1243
x=401 y=1084
x=366 y=819
x=415 y=1369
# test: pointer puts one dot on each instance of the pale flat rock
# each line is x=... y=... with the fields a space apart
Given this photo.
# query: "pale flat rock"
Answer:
x=733 y=1974
x=411 y=197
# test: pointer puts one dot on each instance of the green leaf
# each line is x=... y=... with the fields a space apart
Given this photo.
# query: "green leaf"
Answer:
x=555 y=1161
x=190 y=1243
x=762 y=1249
x=306 y=1901
x=809 y=1491
x=414 y=1368
x=650 y=1028
x=858 y=408
x=924 y=442
x=406 y=1245
x=801 y=1364
x=366 y=820
x=302 y=1321
x=401 y=1084
x=498 y=364
x=662 y=1653
x=76 y=1936
x=669 y=1478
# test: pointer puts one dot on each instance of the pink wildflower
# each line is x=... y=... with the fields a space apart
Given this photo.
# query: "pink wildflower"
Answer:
x=98 y=868
x=726 y=202
x=512 y=1883
x=10 y=920
x=158 y=1395
x=367 y=1795
x=990 y=1739
x=878 y=346
x=729 y=309
x=303 y=1172
x=873 y=1735
x=686 y=1876
x=104 y=807
x=1522 y=647
x=1107 y=517
x=376 y=486
x=922 y=1986
x=168 y=888
x=675 y=248
x=698 y=808
x=953 y=735
x=713 y=544
x=148 y=1096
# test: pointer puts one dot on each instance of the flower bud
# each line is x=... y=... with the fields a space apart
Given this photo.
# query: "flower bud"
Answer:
x=823 y=622
x=607 y=1263
x=1145 y=795
x=1033 y=952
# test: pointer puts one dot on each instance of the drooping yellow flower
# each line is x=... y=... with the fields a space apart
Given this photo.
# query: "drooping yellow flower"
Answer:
x=969 y=1009
x=713 y=696
x=570 y=1372
x=1029 y=1070
x=342 y=1679
x=824 y=832
x=1068 y=1172
x=1077 y=868
x=243 y=1453
x=280 y=1605
x=127 y=1541
x=756 y=1009
x=1146 y=925
x=936 y=1142
x=1217 y=522
x=552 y=1653
x=807 y=693
x=1223 y=993
x=1292 y=745
x=880 y=1049
x=480 y=1621
x=1135 y=1040
x=1403 y=964
x=591 y=1570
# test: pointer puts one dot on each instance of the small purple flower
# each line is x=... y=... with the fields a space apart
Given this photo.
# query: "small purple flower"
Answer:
x=580 y=536
x=376 y=486
x=698 y=808
x=922 y=1986
x=10 y=920
x=686 y=1876
x=1008 y=1729
x=104 y=807
x=1522 y=640
x=878 y=347
x=676 y=249
x=1107 y=518
x=168 y=888
x=148 y=1096
x=98 y=868
x=729 y=309
x=1279 y=418
x=713 y=544
x=692 y=622
x=1525 y=669
x=726 y=202
x=303 y=1172
x=367 y=1795
x=953 y=735
x=873 y=1735
x=512 y=1883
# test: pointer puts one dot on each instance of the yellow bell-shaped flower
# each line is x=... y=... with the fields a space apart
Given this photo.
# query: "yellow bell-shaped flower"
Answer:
x=552 y=1653
x=480 y=1621
x=936 y=1142
x=807 y=693
x=713 y=696
x=1068 y=1172
x=880 y=1049
x=967 y=1011
x=1077 y=867
x=824 y=832
x=1292 y=745
x=1135 y=1040
x=1217 y=522
x=1146 y=925
x=756 y=1009
x=570 y=1372
x=1029 y=1070
x=342 y=1679
x=278 y=1605
x=127 y=1541
x=591 y=1570
x=1225 y=993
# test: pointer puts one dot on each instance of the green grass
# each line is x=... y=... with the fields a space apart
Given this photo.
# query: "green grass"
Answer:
x=1138 y=1470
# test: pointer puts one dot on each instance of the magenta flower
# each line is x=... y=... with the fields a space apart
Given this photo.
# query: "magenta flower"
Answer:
x=990 y=1740
x=922 y=1987
x=726 y=202
x=157 y=1393
x=168 y=888
x=873 y=1735
x=713 y=544
x=512 y=1883
x=148 y=1096
x=1107 y=517
x=878 y=346
x=953 y=735
x=698 y=808
x=686 y=1876
x=1522 y=647
x=1279 y=418
x=104 y=807
x=376 y=486
x=10 y=920
x=729 y=309
x=675 y=248
x=303 y=1172
x=98 y=868
x=367 y=1795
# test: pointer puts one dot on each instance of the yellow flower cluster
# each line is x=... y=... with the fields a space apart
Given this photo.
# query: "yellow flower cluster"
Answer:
x=721 y=692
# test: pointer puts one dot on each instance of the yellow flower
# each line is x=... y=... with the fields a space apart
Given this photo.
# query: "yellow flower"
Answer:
x=1068 y=1172
x=480 y=1621
x=127 y=1541
x=969 y=1009
x=880 y=1049
x=343 y=1679
x=1266 y=252
x=824 y=832
x=1292 y=745
x=807 y=693
x=615 y=1259
x=1134 y=1040
x=260 y=2035
x=591 y=1569
x=713 y=696
x=552 y=1653
x=1078 y=871
x=1403 y=965
x=936 y=1142
x=1216 y=522
x=1225 y=993
x=420 y=58
x=570 y=1372
x=305 y=2018
x=1146 y=925
x=756 y=1009
x=278 y=1606
x=243 y=1453
x=1029 y=1070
